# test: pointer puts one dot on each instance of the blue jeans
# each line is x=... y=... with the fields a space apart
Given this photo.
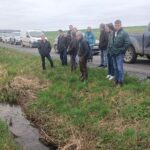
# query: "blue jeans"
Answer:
x=110 y=65
x=63 y=57
x=104 y=57
x=118 y=67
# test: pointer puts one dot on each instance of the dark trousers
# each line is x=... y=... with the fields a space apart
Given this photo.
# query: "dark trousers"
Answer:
x=73 y=62
x=49 y=59
x=110 y=65
x=83 y=68
x=63 y=57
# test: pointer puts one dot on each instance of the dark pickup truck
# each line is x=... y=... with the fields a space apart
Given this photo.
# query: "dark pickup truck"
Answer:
x=140 y=46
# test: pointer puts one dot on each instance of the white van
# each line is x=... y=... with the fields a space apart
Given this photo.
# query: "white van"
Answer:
x=31 y=38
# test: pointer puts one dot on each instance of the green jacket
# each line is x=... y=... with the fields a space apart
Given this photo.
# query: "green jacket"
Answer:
x=119 y=44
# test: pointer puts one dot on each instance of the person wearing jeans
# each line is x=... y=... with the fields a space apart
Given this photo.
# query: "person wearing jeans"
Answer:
x=110 y=29
x=63 y=57
x=103 y=56
x=62 y=47
x=119 y=44
x=118 y=61
x=103 y=45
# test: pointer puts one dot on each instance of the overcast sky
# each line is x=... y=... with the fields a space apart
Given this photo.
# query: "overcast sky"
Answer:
x=55 y=14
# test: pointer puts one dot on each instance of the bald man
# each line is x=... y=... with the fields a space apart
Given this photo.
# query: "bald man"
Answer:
x=44 y=50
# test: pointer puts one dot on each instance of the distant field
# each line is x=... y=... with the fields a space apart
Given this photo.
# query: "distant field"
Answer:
x=136 y=29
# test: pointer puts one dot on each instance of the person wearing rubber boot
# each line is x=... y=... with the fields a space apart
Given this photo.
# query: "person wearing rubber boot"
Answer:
x=83 y=51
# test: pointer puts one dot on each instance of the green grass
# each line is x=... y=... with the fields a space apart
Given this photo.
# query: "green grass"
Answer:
x=135 y=29
x=95 y=111
x=6 y=142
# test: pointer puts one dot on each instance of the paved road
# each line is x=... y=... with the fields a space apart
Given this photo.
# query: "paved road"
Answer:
x=140 y=69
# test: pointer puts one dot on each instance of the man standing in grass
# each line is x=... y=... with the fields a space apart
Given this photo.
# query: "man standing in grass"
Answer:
x=103 y=43
x=62 y=47
x=72 y=51
x=120 y=43
x=83 y=53
x=44 y=50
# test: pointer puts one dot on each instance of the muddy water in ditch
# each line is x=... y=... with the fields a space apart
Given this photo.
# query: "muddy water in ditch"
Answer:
x=25 y=135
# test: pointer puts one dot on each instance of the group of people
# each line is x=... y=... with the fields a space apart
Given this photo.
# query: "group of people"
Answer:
x=113 y=43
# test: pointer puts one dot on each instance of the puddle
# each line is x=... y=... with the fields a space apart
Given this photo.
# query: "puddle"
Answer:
x=24 y=134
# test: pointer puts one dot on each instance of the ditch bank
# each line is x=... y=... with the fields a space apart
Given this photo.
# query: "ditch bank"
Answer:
x=23 y=132
x=14 y=98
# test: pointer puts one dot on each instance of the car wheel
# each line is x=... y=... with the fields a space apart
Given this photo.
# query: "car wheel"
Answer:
x=130 y=55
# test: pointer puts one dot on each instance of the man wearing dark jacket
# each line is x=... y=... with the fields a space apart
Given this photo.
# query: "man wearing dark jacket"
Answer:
x=119 y=44
x=103 y=40
x=44 y=50
x=62 y=47
x=83 y=53
x=72 y=51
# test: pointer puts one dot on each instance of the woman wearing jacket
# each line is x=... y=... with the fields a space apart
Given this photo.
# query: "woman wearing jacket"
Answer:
x=103 y=43
x=110 y=29
x=89 y=37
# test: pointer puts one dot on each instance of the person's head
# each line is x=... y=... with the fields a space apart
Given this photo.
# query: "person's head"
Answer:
x=110 y=27
x=89 y=29
x=79 y=35
x=61 y=32
x=75 y=29
x=102 y=26
x=43 y=37
x=118 y=25
x=70 y=27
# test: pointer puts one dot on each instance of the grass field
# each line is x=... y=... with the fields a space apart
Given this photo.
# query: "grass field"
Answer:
x=6 y=142
x=94 y=115
x=136 y=29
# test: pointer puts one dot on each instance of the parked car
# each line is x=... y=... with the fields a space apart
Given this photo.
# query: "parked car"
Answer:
x=31 y=38
x=1 y=34
x=15 y=38
x=140 y=45
x=6 y=37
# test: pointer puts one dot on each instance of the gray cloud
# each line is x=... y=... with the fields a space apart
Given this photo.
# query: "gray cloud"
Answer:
x=55 y=14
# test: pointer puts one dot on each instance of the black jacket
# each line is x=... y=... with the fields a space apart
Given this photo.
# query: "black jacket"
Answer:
x=73 y=47
x=84 y=48
x=103 y=40
x=62 y=43
x=44 y=48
